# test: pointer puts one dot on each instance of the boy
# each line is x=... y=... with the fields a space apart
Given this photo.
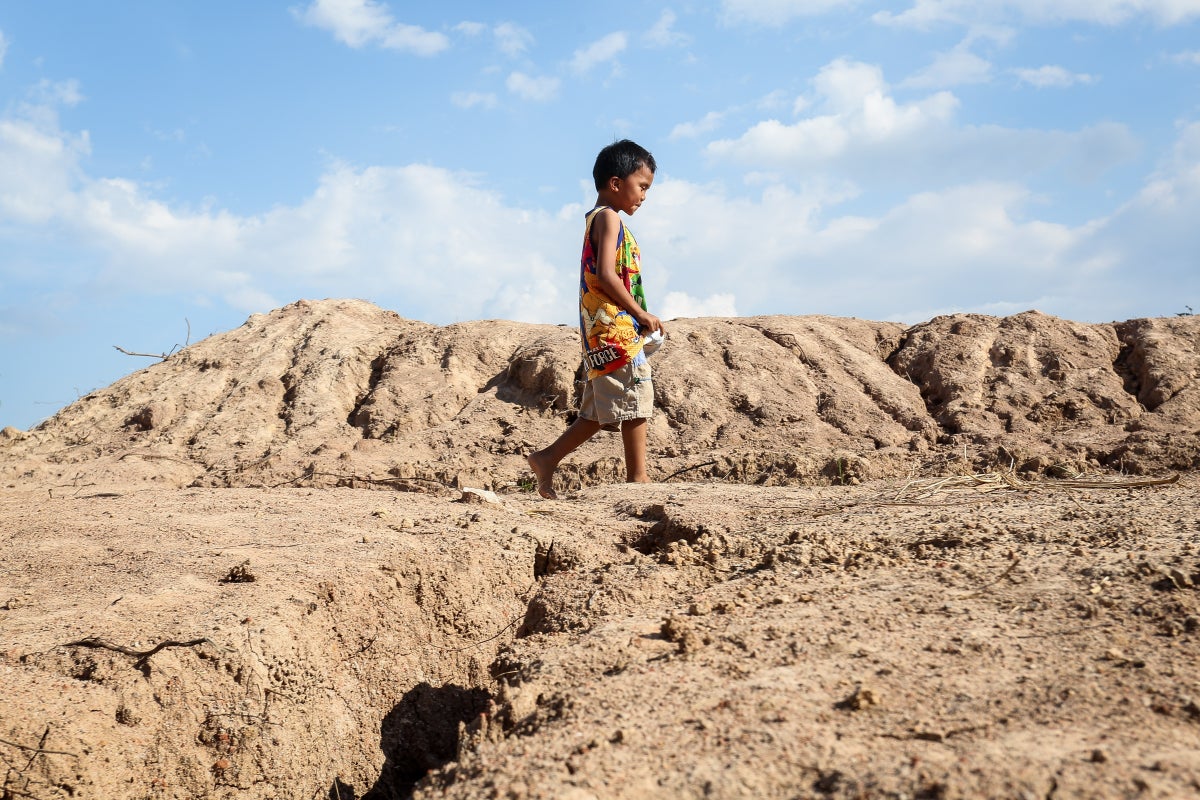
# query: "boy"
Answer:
x=613 y=320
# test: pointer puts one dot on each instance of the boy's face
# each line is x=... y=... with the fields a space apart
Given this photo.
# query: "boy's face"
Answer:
x=629 y=193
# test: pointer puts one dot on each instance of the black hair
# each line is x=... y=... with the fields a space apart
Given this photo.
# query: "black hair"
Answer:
x=621 y=159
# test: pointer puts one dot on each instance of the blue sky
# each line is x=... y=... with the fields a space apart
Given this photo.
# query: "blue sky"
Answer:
x=166 y=165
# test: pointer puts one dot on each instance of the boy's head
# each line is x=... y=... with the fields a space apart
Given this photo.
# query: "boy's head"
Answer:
x=620 y=160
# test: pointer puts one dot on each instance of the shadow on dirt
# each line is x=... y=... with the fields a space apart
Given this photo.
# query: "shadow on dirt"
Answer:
x=418 y=735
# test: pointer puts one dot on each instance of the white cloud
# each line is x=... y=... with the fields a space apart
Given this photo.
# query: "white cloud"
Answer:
x=353 y=22
x=859 y=131
x=1051 y=76
x=777 y=99
x=512 y=39
x=474 y=99
x=1146 y=248
x=778 y=12
x=681 y=304
x=710 y=242
x=357 y=23
x=978 y=246
x=145 y=234
x=39 y=166
x=1189 y=57
x=690 y=130
x=418 y=235
x=860 y=113
x=663 y=33
x=967 y=246
x=468 y=28
x=410 y=237
x=603 y=50
x=538 y=89
x=926 y=13
x=771 y=103
x=57 y=93
x=954 y=68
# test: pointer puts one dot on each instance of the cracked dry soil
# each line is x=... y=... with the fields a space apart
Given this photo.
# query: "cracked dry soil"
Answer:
x=677 y=640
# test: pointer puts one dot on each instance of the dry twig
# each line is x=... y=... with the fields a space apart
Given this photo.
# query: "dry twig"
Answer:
x=688 y=469
x=142 y=655
x=38 y=751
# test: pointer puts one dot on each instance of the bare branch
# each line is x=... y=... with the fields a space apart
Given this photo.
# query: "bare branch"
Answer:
x=143 y=355
x=161 y=356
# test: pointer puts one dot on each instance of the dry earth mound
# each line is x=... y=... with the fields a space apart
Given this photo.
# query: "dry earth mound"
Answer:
x=344 y=393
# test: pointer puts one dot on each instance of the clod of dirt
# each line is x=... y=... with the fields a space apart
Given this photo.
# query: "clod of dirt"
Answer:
x=239 y=574
x=684 y=634
x=861 y=698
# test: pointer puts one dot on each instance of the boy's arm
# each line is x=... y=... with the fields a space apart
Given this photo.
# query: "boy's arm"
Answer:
x=606 y=228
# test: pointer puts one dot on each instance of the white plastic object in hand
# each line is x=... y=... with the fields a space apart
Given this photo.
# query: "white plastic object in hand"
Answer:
x=652 y=342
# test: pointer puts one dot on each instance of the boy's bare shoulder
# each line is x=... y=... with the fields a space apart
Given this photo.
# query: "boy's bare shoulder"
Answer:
x=607 y=214
x=606 y=219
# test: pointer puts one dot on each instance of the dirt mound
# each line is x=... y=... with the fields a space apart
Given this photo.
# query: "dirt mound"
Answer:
x=344 y=393
x=1053 y=392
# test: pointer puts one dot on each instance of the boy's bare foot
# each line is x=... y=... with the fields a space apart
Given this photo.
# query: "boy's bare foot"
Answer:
x=544 y=474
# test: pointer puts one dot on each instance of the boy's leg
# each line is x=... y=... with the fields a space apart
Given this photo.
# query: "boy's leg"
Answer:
x=633 y=437
x=544 y=462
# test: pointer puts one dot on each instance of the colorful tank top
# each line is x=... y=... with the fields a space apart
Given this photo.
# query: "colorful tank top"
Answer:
x=610 y=334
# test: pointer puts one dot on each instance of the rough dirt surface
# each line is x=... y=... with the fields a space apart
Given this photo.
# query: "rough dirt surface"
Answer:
x=955 y=560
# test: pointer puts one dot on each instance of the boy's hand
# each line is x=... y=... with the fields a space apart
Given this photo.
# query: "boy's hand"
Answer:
x=648 y=323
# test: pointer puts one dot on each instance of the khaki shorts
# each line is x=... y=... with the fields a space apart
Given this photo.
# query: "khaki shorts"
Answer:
x=625 y=393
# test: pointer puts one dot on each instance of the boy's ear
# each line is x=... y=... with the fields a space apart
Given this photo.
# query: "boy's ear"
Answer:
x=614 y=184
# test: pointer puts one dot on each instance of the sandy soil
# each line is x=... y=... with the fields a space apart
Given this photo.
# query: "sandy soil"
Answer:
x=953 y=561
